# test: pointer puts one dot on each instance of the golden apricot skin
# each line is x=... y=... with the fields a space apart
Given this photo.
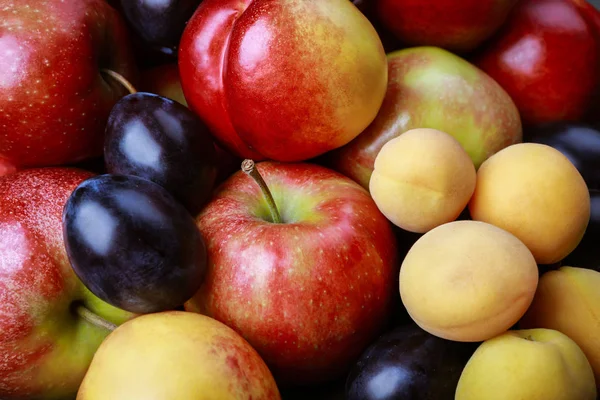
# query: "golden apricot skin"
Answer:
x=568 y=300
x=422 y=179
x=467 y=281
x=535 y=364
x=533 y=191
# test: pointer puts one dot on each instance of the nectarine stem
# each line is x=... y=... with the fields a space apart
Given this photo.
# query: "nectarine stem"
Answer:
x=94 y=319
x=120 y=78
x=249 y=167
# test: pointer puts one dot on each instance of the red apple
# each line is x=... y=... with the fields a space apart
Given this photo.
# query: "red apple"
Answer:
x=6 y=167
x=456 y=25
x=55 y=101
x=547 y=57
x=46 y=344
x=592 y=14
x=282 y=79
x=310 y=292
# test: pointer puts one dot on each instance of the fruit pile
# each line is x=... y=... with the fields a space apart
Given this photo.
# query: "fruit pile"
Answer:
x=292 y=199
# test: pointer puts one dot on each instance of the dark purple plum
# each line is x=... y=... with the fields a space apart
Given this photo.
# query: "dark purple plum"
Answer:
x=408 y=364
x=132 y=244
x=158 y=139
x=580 y=143
x=159 y=23
x=587 y=253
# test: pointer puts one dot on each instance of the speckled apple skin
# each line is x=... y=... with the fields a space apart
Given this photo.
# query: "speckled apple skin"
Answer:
x=55 y=102
x=45 y=348
x=286 y=80
x=308 y=294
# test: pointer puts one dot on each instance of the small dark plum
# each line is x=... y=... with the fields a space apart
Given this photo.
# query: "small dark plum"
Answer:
x=408 y=363
x=159 y=23
x=579 y=142
x=132 y=244
x=158 y=139
x=587 y=253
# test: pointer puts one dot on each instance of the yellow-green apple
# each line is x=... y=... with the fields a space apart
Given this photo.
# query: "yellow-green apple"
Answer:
x=55 y=99
x=432 y=88
x=456 y=25
x=177 y=355
x=50 y=324
x=532 y=58
x=286 y=80
x=308 y=278
x=532 y=364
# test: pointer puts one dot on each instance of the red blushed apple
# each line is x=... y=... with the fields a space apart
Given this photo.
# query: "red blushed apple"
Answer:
x=6 y=167
x=286 y=80
x=50 y=324
x=592 y=14
x=547 y=58
x=55 y=101
x=456 y=25
x=309 y=281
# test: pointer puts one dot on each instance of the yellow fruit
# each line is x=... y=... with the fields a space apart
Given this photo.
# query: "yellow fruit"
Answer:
x=537 y=194
x=568 y=300
x=422 y=179
x=536 y=364
x=176 y=355
x=467 y=281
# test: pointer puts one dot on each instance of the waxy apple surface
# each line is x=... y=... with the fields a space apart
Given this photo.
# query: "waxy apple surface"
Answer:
x=6 y=167
x=55 y=101
x=311 y=293
x=547 y=57
x=456 y=25
x=45 y=347
x=286 y=80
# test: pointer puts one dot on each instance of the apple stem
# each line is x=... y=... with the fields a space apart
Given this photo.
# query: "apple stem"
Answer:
x=93 y=318
x=249 y=167
x=121 y=79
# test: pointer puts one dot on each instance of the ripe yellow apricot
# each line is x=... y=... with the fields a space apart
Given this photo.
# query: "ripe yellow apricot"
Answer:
x=467 y=281
x=534 y=364
x=422 y=179
x=568 y=300
x=533 y=191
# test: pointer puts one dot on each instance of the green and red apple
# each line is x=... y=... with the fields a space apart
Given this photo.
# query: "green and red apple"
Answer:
x=50 y=324
x=309 y=285
x=432 y=88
